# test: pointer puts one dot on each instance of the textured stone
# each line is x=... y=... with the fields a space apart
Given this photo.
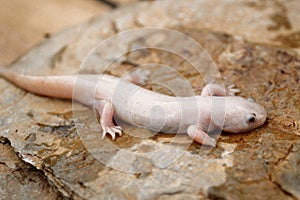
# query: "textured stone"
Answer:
x=19 y=180
x=286 y=173
x=62 y=140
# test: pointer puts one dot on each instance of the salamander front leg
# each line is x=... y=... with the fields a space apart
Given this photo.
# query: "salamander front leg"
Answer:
x=219 y=90
x=106 y=111
x=200 y=136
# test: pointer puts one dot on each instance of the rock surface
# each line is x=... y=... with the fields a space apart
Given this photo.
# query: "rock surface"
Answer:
x=24 y=24
x=61 y=140
x=18 y=179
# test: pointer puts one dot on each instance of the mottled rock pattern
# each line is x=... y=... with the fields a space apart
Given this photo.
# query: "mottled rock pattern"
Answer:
x=19 y=180
x=61 y=141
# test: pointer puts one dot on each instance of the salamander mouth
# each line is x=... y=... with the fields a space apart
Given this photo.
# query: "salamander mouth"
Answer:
x=226 y=128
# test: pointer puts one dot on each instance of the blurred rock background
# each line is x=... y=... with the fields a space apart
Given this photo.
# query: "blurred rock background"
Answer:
x=26 y=23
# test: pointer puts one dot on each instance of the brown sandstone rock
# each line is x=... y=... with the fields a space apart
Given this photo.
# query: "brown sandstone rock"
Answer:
x=258 y=164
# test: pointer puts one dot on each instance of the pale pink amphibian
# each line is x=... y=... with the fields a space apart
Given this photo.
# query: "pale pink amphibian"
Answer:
x=111 y=96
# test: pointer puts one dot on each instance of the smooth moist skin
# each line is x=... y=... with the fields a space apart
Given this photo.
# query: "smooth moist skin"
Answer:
x=216 y=107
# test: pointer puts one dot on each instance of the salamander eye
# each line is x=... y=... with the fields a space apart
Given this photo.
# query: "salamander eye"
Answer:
x=251 y=118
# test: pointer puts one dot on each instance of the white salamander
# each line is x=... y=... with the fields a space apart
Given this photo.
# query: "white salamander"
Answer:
x=215 y=108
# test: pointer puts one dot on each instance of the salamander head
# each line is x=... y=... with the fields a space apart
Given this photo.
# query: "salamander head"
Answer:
x=243 y=115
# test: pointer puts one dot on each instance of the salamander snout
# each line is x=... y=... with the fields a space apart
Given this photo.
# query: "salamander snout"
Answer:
x=243 y=115
x=256 y=117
